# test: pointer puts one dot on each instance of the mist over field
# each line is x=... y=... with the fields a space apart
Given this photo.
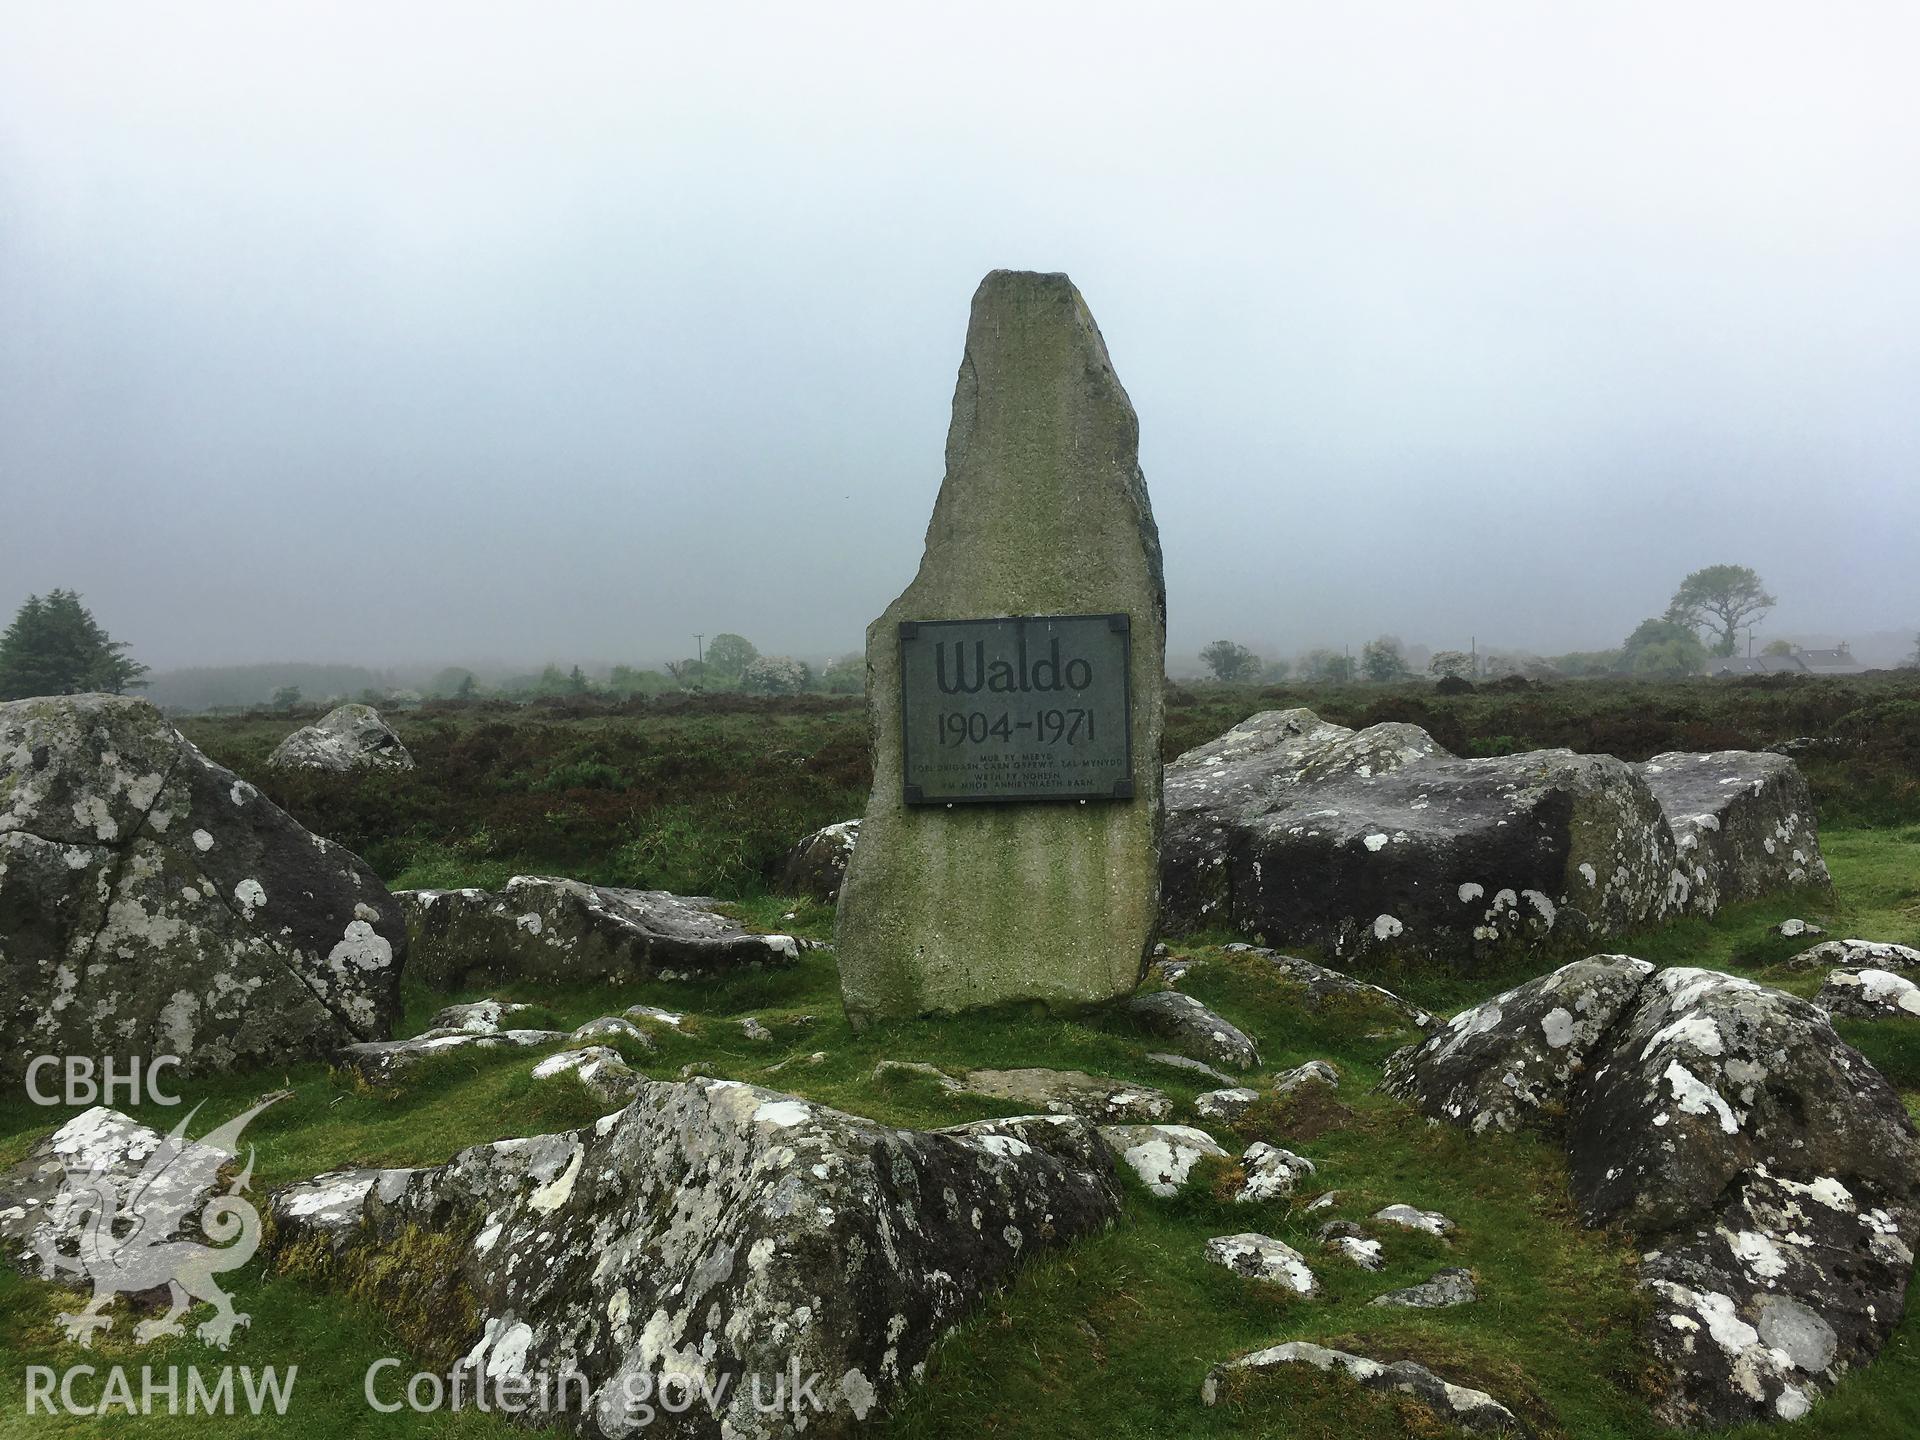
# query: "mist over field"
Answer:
x=422 y=336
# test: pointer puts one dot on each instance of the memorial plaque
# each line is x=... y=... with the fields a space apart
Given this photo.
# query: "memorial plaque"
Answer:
x=1023 y=708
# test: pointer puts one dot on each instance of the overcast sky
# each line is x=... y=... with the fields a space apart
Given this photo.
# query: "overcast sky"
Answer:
x=428 y=332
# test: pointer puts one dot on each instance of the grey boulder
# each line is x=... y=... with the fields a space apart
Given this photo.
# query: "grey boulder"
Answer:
x=723 y=1233
x=1856 y=955
x=1769 y=1174
x=1511 y=1061
x=543 y=929
x=1261 y=1257
x=1163 y=1157
x=1445 y=1290
x=1299 y=832
x=387 y=1063
x=1185 y=1022
x=1379 y=842
x=1869 y=995
x=152 y=903
x=1743 y=826
x=818 y=863
x=347 y=739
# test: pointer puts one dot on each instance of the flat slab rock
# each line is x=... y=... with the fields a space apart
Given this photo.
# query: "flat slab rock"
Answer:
x=719 y=1231
x=348 y=738
x=386 y=1063
x=1460 y=1405
x=1768 y=1171
x=1072 y=1092
x=1445 y=1290
x=603 y=1072
x=1305 y=833
x=152 y=903
x=1856 y=955
x=1194 y=1028
x=561 y=930
x=1323 y=988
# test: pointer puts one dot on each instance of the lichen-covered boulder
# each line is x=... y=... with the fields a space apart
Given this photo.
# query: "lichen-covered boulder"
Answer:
x=818 y=863
x=600 y=1071
x=1869 y=995
x=1162 y=1156
x=719 y=1232
x=1856 y=955
x=1445 y=1290
x=562 y=930
x=1710 y=1076
x=348 y=738
x=1509 y=1062
x=1271 y=1173
x=151 y=903
x=1194 y=1028
x=1743 y=826
x=1769 y=1173
x=1261 y=1257
x=477 y=1017
x=1371 y=842
x=1769 y=1297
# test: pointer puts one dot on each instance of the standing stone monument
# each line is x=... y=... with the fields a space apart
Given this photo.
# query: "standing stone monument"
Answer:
x=1011 y=845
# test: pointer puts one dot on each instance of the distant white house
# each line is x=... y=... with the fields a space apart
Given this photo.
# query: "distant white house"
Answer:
x=1837 y=661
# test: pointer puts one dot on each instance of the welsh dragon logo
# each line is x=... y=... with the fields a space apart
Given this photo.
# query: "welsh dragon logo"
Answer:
x=131 y=1241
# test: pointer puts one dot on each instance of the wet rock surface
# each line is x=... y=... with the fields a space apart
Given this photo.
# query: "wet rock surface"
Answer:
x=721 y=1231
x=1194 y=1028
x=561 y=930
x=151 y=903
x=348 y=738
x=1768 y=1171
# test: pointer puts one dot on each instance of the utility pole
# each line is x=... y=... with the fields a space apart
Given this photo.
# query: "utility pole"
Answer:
x=699 y=648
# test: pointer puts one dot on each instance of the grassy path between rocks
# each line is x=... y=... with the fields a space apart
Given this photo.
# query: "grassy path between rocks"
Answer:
x=1112 y=1338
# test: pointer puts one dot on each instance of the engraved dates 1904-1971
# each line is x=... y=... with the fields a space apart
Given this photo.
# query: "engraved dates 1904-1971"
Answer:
x=1022 y=708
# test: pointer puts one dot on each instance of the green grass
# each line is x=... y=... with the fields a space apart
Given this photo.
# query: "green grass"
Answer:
x=1113 y=1337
